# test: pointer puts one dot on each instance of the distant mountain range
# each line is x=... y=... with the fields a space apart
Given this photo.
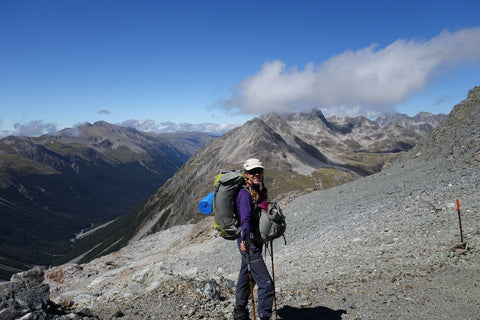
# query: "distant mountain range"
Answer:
x=88 y=191
x=53 y=186
x=302 y=152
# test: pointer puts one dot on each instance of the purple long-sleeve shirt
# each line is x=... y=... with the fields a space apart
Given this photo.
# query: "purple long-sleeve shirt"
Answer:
x=244 y=208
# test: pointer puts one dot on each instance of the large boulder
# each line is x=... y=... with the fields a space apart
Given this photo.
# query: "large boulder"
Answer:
x=27 y=297
x=25 y=293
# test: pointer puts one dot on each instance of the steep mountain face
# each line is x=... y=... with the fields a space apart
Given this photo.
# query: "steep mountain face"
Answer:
x=457 y=141
x=53 y=186
x=302 y=152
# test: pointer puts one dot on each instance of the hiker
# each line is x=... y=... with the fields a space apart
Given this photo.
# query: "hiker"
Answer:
x=255 y=193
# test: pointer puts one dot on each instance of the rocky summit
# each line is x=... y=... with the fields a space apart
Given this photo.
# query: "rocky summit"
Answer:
x=386 y=246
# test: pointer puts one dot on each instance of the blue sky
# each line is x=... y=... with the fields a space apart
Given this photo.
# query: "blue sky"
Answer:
x=163 y=64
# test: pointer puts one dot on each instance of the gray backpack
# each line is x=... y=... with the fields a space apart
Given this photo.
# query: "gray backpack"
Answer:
x=272 y=223
x=226 y=187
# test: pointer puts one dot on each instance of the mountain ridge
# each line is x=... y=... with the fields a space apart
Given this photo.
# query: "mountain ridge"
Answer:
x=53 y=186
x=315 y=152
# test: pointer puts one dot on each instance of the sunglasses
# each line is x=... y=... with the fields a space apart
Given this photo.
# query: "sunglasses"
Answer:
x=255 y=171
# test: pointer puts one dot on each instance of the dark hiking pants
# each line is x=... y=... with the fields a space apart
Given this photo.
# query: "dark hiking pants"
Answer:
x=261 y=278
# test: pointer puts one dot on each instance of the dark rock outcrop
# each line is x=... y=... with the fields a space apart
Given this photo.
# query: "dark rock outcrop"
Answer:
x=27 y=297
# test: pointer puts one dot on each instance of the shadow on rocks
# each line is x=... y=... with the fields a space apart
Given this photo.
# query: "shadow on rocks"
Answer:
x=312 y=313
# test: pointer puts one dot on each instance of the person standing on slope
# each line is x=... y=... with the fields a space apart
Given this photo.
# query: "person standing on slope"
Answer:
x=248 y=201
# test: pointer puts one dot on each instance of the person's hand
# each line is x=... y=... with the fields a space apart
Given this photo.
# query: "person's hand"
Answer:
x=243 y=247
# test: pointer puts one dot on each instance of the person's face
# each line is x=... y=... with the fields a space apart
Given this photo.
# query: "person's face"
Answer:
x=254 y=176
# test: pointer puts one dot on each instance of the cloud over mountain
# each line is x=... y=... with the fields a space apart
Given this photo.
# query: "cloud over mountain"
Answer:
x=39 y=127
x=365 y=81
x=33 y=128
x=167 y=126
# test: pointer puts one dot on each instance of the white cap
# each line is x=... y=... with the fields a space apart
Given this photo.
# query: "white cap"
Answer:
x=251 y=164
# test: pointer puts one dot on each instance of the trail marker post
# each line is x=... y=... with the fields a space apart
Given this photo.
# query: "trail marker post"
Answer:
x=460 y=221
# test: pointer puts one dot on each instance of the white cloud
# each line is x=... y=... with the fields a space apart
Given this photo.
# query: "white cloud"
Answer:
x=72 y=132
x=167 y=126
x=142 y=125
x=38 y=128
x=34 y=128
x=365 y=81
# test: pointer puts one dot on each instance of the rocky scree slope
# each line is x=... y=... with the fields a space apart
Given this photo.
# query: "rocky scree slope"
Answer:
x=384 y=246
